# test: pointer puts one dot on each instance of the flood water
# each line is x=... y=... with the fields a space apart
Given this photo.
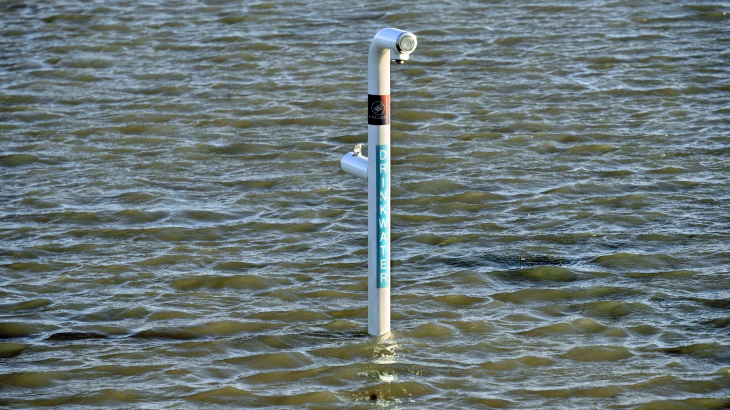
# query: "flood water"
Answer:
x=176 y=231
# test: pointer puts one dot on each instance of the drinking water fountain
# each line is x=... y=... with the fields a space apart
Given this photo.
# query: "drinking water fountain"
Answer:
x=388 y=45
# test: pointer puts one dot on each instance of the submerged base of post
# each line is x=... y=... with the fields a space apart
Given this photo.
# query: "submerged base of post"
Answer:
x=378 y=310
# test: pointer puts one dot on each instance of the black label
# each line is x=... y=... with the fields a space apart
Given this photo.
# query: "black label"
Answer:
x=378 y=109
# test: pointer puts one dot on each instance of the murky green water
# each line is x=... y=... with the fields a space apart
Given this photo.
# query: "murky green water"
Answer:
x=176 y=232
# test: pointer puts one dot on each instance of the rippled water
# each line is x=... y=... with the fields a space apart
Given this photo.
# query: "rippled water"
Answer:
x=176 y=231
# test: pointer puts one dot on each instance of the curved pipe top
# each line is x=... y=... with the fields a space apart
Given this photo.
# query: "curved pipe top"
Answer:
x=388 y=44
x=401 y=43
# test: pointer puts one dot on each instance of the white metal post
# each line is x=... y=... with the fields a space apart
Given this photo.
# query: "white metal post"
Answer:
x=389 y=44
x=378 y=144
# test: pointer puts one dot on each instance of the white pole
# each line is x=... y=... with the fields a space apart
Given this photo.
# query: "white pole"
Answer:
x=388 y=44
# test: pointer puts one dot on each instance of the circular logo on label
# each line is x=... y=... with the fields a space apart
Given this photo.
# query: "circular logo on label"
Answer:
x=378 y=108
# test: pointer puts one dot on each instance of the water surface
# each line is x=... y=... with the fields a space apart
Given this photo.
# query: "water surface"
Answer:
x=176 y=231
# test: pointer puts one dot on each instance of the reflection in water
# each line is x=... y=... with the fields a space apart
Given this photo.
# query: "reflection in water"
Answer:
x=386 y=351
